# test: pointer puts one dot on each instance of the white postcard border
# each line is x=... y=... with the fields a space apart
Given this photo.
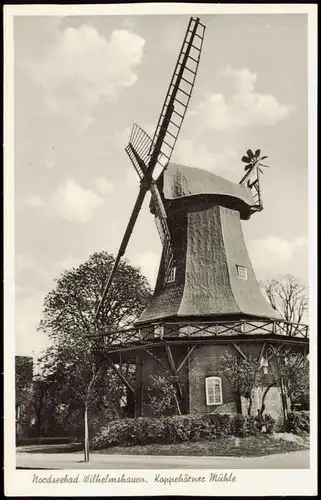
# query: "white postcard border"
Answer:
x=258 y=482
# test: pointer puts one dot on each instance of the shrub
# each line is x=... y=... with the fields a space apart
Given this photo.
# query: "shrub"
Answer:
x=178 y=428
x=243 y=426
x=299 y=421
x=220 y=424
x=269 y=423
x=239 y=427
x=253 y=425
x=173 y=429
x=129 y=431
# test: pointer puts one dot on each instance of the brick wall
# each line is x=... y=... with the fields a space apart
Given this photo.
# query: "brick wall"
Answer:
x=203 y=363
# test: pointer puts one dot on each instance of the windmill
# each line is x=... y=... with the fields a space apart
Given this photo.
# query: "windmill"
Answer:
x=207 y=300
x=145 y=153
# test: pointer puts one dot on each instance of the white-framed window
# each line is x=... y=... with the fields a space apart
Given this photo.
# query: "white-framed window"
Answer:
x=241 y=272
x=172 y=275
x=213 y=391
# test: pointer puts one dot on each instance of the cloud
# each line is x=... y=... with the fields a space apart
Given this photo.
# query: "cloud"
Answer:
x=66 y=263
x=42 y=272
x=148 y=263
x=24 y=263
x=121 y=138
x=131 y=179
x=128 y=23
x=103 y=186
x=239 y=105
x=34 y=202
x=28 y=309
x=83 y=68
x=276 y=255
x=197 y=154
x=73 y=203
x=29 y=300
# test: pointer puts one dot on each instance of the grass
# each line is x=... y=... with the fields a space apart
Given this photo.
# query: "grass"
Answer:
x=51 y=448
x=252 y=446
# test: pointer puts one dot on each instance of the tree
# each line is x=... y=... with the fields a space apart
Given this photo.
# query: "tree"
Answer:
x=43 y=401
x=85 y=381
x=162 y=394
x=23 y=391
x=243 y=375
x=295 y=371
x=290 y=298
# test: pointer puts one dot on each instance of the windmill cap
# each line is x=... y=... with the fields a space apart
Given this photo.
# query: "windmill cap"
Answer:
x=179 y=181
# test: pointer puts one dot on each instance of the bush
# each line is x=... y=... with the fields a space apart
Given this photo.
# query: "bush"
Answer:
x=299 y=421
x=178 y=428
x=239 y=427
x=269 y=423
x=173 y=429
x=243 y=426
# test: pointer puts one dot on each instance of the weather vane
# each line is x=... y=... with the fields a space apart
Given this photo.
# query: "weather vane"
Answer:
x=253 y=169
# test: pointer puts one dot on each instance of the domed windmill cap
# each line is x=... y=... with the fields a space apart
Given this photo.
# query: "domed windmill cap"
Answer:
x=181 y=181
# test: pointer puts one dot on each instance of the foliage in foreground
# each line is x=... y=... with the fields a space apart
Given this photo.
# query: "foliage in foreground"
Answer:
x=299 y=421
x=179 y=428
x=163 y=399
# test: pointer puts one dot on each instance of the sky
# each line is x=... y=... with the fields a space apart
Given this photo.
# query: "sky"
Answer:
x=81 y=82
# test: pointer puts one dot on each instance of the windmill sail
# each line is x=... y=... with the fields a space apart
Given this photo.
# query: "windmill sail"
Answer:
x=162 y=227
x=139 y=140
x=138 y=150
x=146 y=153
x=124 y=243
x=179 y=93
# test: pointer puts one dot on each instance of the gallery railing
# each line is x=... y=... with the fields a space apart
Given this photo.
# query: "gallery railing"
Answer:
x=186 y=330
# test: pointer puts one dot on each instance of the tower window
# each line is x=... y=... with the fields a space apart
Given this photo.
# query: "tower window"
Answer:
x=241 y=272
x=172 y=275
x=213 y=390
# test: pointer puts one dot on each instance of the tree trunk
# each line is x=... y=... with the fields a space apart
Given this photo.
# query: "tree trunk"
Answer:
x=261 y=411
x=86 y=443
x=283 y=398
x=250 y=406
x=177 y=405
x=38 y=422
x=238 y=404
x=284 y=403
